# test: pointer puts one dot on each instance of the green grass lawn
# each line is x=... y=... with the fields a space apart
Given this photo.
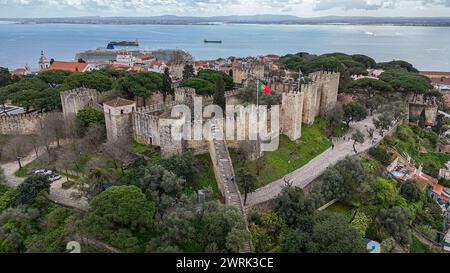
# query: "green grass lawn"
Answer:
x=290 y=155
x=339 y=207
x=22 y=172
x=342 y=208
x=145 y=150
x=204 y=176
x=418 y=247
x=140 y=148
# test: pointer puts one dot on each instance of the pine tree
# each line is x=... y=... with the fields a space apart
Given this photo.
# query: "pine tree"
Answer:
x=219 y=95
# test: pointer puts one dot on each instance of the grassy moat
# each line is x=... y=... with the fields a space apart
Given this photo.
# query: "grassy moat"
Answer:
x=290 y=155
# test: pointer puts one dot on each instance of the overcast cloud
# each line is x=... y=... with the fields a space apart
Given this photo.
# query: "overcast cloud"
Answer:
x=309 y=8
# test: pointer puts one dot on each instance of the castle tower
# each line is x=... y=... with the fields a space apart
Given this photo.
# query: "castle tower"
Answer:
x=74 y=100
x=118 y=118
x=184 y=95
x=309 y=102
x=43 y=62
x=329 y=92
x=169 y=146
x=292 y=114
x=328 y=86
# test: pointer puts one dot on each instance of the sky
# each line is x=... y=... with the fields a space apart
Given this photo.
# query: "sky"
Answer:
x=303 y=8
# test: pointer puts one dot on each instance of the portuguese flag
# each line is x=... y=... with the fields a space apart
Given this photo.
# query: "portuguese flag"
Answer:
x=263 y=88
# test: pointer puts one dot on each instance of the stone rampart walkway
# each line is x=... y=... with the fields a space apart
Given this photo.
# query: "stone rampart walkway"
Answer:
x=309 y=172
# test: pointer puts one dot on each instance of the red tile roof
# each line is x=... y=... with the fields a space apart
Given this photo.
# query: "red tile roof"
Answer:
x=432 y=74
x=146 y=57
x=345 y=98
x=440 y=81
x=20 y=70
x=68 y=66
x=118 y=102
x=120 y=66
x=438 y=189
x=424 y=180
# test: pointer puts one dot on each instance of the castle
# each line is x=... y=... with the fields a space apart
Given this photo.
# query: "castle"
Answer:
x=149 y=125
x=153 y=124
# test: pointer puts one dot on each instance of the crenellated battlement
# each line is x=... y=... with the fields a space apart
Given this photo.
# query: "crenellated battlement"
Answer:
x=74 y=100
x=79 y=91
x=324 y=75
x=147 y=115
x=231 y=93
x=292 y=93
x=34 y=115
x=24 y=124
x=155 y=107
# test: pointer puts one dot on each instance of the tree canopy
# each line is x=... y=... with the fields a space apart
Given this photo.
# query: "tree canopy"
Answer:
x=331 y=233
x=89 y=116
x=354 y=111
x=402 y=80
x=118 y=215
x=205 y=81
x=142 y=84
x=31 y=188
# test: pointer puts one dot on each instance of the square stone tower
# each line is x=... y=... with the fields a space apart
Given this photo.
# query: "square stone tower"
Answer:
x=118 y=118
x=310 y=93
x=292 y=114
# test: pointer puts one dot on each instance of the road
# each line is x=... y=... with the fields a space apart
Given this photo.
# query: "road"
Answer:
x=57 y=194
x=309 y=172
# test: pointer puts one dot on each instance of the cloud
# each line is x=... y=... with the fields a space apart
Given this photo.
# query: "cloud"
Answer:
x=218 y=7
x=321 y=5
x=120 y=4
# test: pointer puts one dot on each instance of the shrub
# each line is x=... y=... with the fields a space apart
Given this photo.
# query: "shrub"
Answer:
x=31 y=188
x=361 y=222
x=381 y=155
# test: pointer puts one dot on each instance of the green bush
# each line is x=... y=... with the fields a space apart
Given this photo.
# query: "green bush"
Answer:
x=7 y=197
x=381 y=155
x=361 y=222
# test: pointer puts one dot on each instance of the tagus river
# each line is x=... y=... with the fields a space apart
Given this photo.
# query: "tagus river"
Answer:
x=428 y=48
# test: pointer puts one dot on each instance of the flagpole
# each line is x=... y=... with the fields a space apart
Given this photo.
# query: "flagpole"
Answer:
x=257 y=94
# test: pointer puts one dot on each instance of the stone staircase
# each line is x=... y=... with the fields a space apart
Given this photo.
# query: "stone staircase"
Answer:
x=223 y=169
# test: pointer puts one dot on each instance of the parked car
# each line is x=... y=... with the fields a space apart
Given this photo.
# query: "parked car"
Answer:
x=54 y=178
x=43 y=171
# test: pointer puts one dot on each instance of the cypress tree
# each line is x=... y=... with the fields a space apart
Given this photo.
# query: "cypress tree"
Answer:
x=219 y=95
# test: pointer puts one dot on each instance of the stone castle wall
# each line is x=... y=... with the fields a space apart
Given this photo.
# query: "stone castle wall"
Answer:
x=242 y=74
x=25 y=124
x=418 y=104
x=309 y=102
x=155 y=98
x=292 y=114
x=146 y=128
x=169 y=146
x=74 y=100
x=118 y=121
x=328 y=86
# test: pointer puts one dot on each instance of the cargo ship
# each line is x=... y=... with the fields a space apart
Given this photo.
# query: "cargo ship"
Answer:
x=212 y=41
x=112 y=45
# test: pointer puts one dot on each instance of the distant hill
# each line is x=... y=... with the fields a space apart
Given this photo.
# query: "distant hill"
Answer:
x=243 y=19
